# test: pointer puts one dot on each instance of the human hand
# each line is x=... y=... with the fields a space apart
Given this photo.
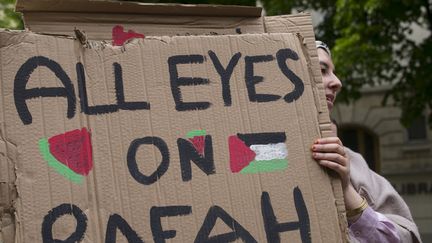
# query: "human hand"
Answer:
x=330 y=153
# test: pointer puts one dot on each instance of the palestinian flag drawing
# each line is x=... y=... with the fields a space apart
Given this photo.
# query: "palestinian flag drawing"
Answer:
x=70 y=153
x=257 y=152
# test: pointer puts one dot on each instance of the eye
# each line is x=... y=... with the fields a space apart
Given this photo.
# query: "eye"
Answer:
x=324 y=70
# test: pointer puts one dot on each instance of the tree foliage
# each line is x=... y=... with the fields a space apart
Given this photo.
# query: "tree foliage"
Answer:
x=371 y=44
x=9 y=19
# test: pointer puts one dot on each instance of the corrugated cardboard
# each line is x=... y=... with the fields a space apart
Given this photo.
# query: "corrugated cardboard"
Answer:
x=301 y=23
x=97 y=18
x=116 y=199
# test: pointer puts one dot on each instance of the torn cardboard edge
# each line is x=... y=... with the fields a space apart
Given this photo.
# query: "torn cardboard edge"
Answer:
x=8 y=189
x=7 y=227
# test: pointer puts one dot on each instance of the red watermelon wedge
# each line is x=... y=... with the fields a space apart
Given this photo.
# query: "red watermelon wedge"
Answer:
x=73 y=149
x=199 y=144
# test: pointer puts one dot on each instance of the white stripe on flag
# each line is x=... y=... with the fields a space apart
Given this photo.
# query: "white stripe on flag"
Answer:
x=270 y=151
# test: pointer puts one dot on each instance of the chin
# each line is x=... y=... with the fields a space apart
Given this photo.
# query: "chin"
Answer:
x=329 y=106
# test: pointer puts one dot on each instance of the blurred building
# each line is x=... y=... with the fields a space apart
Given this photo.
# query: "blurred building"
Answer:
x=402 y=155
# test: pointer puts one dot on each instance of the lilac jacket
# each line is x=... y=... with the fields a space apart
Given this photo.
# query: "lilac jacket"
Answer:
x=382 y=198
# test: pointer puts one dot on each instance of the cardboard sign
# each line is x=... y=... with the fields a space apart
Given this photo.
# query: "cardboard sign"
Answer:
x=184 y=138
x=165 y=139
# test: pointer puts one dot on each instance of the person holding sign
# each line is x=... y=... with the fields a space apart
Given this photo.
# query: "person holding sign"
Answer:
x=375 y=211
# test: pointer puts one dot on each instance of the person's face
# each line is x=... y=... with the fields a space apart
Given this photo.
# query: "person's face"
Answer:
x=332 y=84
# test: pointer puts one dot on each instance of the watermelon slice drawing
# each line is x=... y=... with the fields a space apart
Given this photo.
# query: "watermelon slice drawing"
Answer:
x=70 y=153
x=197 y=138
x=199 y=144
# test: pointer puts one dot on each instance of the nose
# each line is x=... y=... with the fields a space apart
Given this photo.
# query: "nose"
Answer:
x=335 y=84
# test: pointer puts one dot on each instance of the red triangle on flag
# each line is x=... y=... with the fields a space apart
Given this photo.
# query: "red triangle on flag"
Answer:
x=240 y=154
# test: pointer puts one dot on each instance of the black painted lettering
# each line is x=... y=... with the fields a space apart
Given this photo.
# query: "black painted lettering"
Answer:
x=177 y=81
x=57 y=212
x=273 y=227
x=238 y=232
x=281 y=56
x=21 y=94
x=189 y=153
x=104 y=109
x=156 y=213
x=225 y=74
x=252 y=80
x=82 y=88
x=132 y=163
x=115 y=222
x=262 y=138
x=422 y=188
x=122 y=104
x=411 y=188
x=403 y=191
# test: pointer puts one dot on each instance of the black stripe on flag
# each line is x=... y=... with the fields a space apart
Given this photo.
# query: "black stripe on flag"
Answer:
x=262 y=138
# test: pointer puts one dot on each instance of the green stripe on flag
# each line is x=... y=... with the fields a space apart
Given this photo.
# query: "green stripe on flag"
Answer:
x=57 y=165
x=259 y=166
x=195 y=133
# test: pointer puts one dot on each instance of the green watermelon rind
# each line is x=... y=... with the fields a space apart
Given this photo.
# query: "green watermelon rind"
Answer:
x=57 y=165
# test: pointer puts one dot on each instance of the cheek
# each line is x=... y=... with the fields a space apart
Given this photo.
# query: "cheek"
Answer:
x=326 y=81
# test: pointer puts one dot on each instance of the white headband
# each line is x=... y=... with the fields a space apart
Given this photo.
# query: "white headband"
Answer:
x=322 y=45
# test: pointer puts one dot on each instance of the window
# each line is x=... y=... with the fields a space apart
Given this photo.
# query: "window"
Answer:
x=363 y=141
x=417 y=130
